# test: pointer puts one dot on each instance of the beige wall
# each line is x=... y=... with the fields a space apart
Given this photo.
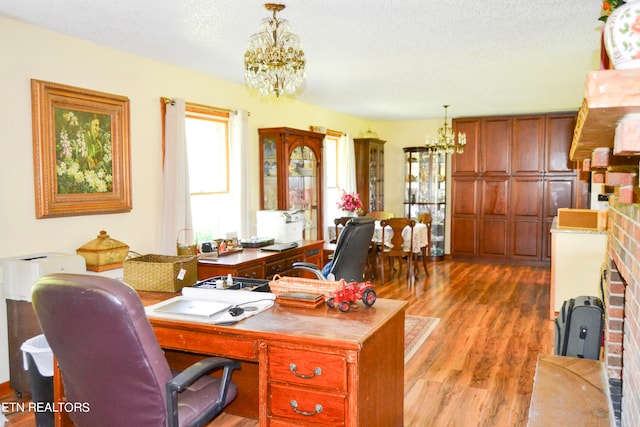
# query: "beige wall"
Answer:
x=40 y=54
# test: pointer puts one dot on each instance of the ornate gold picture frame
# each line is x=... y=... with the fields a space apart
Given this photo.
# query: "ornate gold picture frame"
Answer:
x=81 y=152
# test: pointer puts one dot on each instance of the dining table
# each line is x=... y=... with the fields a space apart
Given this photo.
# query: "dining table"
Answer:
x=420 y=236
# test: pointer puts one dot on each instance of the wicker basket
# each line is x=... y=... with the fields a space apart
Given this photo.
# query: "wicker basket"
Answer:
x=284 y=284
x=161 y=273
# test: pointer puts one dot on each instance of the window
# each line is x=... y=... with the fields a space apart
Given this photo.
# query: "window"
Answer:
x=208 y=153
x=207 y=133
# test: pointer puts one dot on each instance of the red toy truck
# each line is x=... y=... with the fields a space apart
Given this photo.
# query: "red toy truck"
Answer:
x=351 y=292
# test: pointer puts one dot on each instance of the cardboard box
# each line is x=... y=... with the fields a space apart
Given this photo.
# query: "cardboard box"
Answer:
x=585 y=219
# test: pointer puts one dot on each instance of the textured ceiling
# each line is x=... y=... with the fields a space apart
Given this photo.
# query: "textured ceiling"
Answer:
x=378 y=59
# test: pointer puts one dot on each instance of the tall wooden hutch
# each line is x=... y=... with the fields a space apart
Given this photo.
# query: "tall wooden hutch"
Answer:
x=291 y=174
x=369 y=154
x=508 y=184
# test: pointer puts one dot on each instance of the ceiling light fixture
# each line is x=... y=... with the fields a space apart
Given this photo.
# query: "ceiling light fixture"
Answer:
x=274 y=61
x=446 y=139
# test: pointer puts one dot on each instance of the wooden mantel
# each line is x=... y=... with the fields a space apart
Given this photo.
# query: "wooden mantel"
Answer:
x=609 y=96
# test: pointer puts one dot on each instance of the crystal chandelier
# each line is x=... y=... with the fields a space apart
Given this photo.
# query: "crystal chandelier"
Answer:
x=446 y=139
x=274 y=61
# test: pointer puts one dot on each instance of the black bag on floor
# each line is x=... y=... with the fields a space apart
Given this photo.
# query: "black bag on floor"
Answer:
x=579 y=328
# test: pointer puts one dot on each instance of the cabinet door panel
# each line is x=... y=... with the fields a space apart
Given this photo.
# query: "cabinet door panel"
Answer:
x=463 y=236
x=528 y=134
x=493 y=238
x=559 y=132
x=496 y=145
x=494 y=196
x=525 y=239
x=467 y=163
x=559 y=193
x=465 y=197
x=526 y=197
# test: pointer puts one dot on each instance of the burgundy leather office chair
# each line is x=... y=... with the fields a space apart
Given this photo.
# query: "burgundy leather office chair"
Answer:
x=112 y=364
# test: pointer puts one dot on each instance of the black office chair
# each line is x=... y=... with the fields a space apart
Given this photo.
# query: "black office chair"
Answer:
x=351 y=252
x=112 y=364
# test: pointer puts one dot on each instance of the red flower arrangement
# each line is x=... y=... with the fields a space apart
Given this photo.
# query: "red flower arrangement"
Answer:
x=350 y=202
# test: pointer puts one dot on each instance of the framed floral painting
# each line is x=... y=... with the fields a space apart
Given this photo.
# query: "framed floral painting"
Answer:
x=80 y=151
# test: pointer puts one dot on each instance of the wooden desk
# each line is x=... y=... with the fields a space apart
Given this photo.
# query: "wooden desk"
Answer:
x=341 y=369
x=257 y=264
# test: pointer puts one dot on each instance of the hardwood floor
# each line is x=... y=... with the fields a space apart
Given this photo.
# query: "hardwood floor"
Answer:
x=477 y=366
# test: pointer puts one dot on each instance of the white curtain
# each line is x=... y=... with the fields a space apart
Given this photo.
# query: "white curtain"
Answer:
x=346 y=169
x=176 y=200
x=239 y=173
x=346 y=164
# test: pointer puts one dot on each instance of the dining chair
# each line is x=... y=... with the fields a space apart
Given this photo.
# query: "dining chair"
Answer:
x=110 y=359
x=395 y=247
x=425 y=218
x=380 y=215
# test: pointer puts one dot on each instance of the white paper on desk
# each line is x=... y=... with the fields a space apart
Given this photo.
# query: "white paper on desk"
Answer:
x=244 y=299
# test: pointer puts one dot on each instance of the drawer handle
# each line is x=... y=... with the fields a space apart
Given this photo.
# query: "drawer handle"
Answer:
x=316 y=372
x=294 y=405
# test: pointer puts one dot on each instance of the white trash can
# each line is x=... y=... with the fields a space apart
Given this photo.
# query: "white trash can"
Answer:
x=38 y=360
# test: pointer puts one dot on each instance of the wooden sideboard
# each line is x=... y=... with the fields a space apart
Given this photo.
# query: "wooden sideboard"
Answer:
x=258 y=264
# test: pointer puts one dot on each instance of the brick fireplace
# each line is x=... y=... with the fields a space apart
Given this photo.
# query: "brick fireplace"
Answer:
x=622 y=302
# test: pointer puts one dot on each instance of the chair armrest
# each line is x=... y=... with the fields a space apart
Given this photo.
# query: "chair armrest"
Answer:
x=187 y=377
x=307 y=266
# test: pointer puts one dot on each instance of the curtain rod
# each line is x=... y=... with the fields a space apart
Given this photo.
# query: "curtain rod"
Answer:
x=209 y=107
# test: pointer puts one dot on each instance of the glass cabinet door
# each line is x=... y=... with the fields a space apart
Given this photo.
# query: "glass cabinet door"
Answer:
x=425 y=191
x=270 y=173
x=303 y=187
x=376 y=178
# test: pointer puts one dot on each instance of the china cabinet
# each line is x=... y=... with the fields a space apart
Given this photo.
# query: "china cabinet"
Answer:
x=369 y=155
x=425 y=191
x=291 y=174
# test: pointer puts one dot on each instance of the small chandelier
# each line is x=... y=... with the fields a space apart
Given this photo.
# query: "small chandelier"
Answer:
x=446 y=140
x=274 y=61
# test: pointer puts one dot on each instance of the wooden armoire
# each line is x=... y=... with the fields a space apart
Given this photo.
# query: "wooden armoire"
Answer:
x=514 y=174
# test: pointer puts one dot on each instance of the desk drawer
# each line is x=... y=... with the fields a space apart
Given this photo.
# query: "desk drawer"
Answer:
x=252 y=272
x=307 y=405
x=281 y=266
x=207 y=343
x=276 y=267
x=307 y=368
